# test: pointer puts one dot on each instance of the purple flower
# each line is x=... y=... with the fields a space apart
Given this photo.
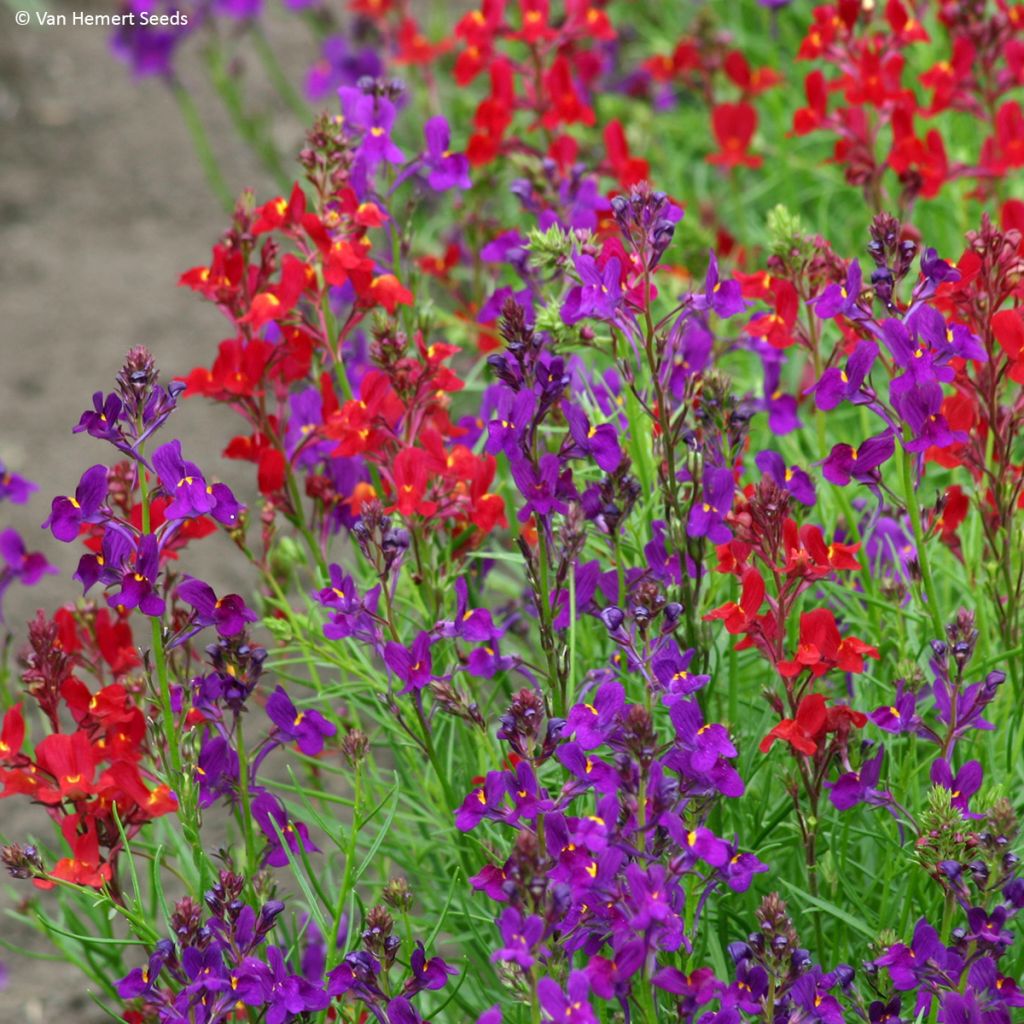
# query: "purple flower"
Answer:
x=352 y=614
x=962 y=786
x=101 y=421
x=307 y=728
x=707 y=516
x=376 y=116
x=27 y=567
x=485 y=802
x=228 y=614
x=702 y=751
x=572 y=1005
x=725 y=298
x=611 y=979
x=920 y=408
x=273 y=820
x=273 y=985
x=900 y=716
x=191 y=496
x=838 y=385
x=521 y=937
x=413 y=666
x=138 y=580
x=739 y=870
x=840 y=299
x=142 y=980
x=513 y=417
x=14 y=487
x=542 y=487
x=812 y=997
x=600 y=443
x=792 y=479
x=429 y=974
x=473 y=625
x=67 y=514
x=149 y=49
x=599 y=294
x=909 y=965
x=670 y=668
x=937 y=270
x=852 y=788
x=339 y=66
x=447 y=169
x=216 y=770
x=989 y=930
x=843 y=463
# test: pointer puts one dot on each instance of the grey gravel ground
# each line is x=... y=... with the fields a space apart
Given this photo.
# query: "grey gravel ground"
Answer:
x=102 y=206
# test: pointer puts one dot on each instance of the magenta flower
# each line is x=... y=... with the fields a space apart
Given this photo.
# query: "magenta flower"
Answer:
x=412 y=665
x=273 y=820
x=707 y=516
x=570 y=1006
x=308 y=728
x=68 y=514
x=521 y=937
x=447 y=169
x=14 y=487
x=228 y=614
x=191 y=496
x=599 y=295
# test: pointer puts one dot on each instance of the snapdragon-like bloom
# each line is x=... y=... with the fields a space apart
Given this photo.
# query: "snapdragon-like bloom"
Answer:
x=14 y=487
x=68 y=514
x=280 y=831
x=191 y=496
x=228 y=614
x=308 y=728
x=707 y=515
x=413 y=666
x=445 y=169
x=599 y=294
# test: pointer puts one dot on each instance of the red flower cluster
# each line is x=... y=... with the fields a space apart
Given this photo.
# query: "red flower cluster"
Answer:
x=814 y=720
x=705 y=65
x=536 y=66
x=89 y=779
x=875 y=119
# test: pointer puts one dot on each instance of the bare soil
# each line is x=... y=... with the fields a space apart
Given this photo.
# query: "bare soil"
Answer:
x=102 y=205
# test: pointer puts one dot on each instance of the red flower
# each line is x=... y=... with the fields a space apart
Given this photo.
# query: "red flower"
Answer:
x=414 y=47
x=776 y=328
x=814 y=721
x=734 y=125
x=1008 y=327
x=410 y=476
x=564 y=103
x=821 y=647
x=83 y=866
x=737 y=616
x=12 y=735
x=629 y=170
x=803 y=732
x=809 y=118
x=751 y=82
x=71 y=760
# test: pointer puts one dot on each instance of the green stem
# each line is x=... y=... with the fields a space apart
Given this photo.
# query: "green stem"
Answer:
x=910 y=496
x=280 y=80
x=243 y=778
x=336 y=950
x=201 y=143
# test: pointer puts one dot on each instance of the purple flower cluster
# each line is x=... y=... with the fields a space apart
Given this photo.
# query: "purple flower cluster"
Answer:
x=131 y=553
x=216 y=966
x=609 y=847
x=19 y=564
